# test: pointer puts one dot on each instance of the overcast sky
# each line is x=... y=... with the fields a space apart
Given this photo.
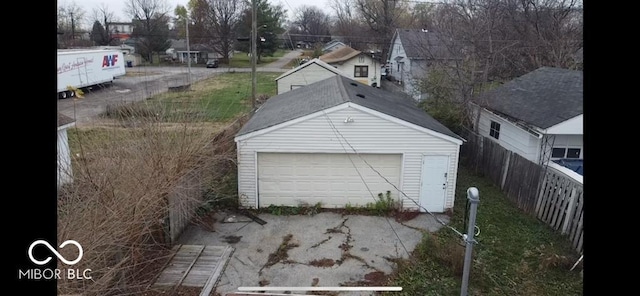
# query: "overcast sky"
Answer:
x=118 y=6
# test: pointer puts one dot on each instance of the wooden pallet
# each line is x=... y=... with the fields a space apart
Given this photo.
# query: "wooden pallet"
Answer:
x=195 y=266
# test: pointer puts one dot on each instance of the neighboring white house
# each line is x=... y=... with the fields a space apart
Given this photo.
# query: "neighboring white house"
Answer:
x=338 y=142
x=199 y=53
x=538 y=115
x=412 y=54
x=307 y=73
x=355 y=64
x=65 y=173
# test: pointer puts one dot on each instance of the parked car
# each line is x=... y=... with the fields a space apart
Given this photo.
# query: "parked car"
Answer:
x=213 y=63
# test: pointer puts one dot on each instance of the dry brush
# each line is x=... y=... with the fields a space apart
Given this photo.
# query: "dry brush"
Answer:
x=124 y=176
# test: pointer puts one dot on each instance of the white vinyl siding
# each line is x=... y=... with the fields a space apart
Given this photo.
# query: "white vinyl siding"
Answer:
x=569 y=142
x=511 y=137
x=332 y=179
x=305 y=76
x=361 y=60
x=523 y=142
x=367 y=134
x=65 y=173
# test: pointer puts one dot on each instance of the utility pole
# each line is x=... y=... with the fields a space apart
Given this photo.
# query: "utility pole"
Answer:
x=188 y=52
x=474 y=198
x=254 y=37
x=73 y=27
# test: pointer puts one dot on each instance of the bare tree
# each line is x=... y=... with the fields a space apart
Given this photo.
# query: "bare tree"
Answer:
x=497 y=40
x=222 y=18
x=70 y=21
x=313 y=22
x=151 y=30
x=383 y=17
x=105 y=17
x=347 y=25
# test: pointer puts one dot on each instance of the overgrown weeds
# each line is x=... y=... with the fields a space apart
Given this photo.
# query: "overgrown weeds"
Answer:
x=130 y=179
x=515 y=255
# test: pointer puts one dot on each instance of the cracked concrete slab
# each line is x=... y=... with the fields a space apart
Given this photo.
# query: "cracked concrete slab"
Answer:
x=325 y=250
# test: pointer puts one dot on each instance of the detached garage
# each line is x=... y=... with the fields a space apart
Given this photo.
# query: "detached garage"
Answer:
x=338 y=142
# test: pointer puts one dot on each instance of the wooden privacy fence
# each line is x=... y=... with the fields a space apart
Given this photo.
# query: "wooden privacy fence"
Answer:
x=183 y=201
x=560 y=204
x=189 y=192
x=546 y=193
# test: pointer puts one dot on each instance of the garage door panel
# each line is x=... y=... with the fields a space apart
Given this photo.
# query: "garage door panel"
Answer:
x=294 y=179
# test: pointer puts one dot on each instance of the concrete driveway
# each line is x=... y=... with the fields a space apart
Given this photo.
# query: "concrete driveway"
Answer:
x=324 y=250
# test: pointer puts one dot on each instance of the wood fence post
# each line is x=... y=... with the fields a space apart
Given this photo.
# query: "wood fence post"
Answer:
x=570 y=210
x=542 y=188
x=505 y=169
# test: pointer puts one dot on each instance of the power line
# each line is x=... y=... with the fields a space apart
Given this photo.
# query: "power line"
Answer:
x=394 y=186
x=365 y=182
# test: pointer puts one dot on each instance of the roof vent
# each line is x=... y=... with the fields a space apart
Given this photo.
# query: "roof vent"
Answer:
x=360 y=95
x=353 y=83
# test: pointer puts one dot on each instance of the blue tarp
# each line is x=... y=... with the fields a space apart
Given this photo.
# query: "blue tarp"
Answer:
x=575 y=165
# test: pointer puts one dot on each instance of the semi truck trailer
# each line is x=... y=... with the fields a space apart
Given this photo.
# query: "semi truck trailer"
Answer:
x=86 y=69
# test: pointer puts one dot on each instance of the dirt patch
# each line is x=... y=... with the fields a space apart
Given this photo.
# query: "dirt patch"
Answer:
x=326 y=262
x=404 y=216
x=232 y=239
x=372 y=279
x=206 y=221
x=282 y=253
x=320 y=243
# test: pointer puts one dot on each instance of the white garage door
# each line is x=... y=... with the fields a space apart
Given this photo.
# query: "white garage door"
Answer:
x=332 y=179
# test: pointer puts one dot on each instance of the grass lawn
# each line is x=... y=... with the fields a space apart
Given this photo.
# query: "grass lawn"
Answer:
x=216 y=99
x=516 y=254
x=243 y=60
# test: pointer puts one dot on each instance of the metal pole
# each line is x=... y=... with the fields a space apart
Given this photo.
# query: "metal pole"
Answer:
x=254 y=37
x=474 y=198
x=188 y=52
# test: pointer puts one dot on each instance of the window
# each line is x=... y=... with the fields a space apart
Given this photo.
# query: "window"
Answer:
x=495 y=130
x=573 y=153
x=558 y=152
x=361 y=71
x=565 y=153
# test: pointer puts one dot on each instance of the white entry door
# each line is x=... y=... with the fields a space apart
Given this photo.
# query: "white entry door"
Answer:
x=433 y=186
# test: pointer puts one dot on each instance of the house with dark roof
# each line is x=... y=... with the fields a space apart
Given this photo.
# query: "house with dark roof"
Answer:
x=412 y=54
x=199 y=53
x=332 y=45
x=338 y=143
x=307 y=73
x=65 y=173
x=357 y=65
x=538 y=115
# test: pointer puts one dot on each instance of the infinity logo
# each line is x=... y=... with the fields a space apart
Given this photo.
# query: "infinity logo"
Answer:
x=65 y=261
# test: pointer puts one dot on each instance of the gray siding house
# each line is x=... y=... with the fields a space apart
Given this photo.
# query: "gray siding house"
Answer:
x=412 y=54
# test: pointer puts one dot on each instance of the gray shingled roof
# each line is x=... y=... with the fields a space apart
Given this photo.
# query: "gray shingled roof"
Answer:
x=307 y=64
x=419 y=44
x=334 y=91
x=542 y=98
x=341 y=54
x=63 y=119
